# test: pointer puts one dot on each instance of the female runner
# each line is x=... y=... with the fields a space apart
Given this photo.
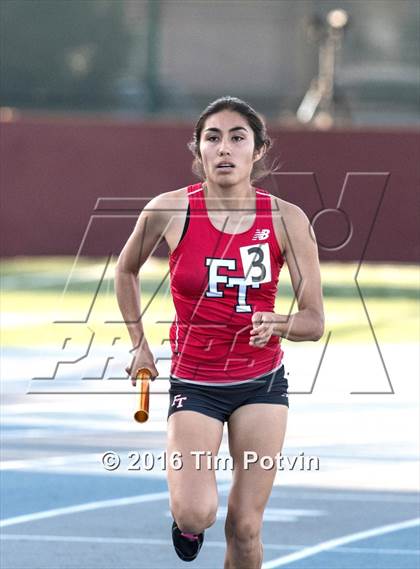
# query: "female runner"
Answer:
x=228 y=240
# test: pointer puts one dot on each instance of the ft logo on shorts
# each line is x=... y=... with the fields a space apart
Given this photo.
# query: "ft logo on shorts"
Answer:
x=178 y=399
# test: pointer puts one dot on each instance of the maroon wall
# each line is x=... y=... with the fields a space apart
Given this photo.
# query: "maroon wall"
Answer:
x=54 y=172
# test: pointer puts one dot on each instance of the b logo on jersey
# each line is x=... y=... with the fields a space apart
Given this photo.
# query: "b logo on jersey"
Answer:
x=261 y=234
x=257 y=270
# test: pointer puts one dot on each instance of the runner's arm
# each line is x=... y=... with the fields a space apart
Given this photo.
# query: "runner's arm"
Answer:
x=301 y=255
x=147 y=234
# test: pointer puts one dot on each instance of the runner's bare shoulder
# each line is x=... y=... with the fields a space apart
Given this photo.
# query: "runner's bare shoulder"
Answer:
x=291 y=224
x=284 y=214
x=165 y=215
x=162 y=205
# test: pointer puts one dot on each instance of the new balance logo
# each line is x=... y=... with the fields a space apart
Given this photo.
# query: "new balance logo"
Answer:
x=178 y=399
x=261 y=234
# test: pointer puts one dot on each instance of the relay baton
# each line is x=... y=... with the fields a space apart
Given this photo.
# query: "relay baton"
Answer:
x=142 y=413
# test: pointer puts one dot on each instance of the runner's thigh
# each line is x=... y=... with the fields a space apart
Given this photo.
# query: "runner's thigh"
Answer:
x=258 y=428
x=190 y=431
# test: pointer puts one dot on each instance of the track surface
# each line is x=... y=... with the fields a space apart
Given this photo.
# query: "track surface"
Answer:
x=62 y=509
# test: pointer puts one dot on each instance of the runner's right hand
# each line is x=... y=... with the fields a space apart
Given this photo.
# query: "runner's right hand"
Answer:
x=143 y=357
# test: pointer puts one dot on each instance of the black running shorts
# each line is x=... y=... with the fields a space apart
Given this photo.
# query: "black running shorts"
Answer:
x=220 y=401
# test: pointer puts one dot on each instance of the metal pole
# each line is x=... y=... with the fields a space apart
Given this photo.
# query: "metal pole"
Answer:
x=152 y=56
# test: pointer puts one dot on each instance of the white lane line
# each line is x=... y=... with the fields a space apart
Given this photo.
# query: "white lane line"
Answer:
x=347 y=496
x=150 y=541
x=285 y=515
x=89 y=506
x=35 y=463
x=86 y=507
x=332 y=543
x=377 y=550
x=94 y=539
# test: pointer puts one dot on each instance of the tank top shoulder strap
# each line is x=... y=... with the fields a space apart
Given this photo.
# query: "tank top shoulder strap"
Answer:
x=263 y=202
x=265 y=220
x=196 y=198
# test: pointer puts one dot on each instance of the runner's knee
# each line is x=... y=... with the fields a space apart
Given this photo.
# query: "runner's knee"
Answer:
x=245 y=528
x=194 y=518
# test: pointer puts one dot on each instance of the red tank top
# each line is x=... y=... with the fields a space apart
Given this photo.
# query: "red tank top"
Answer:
x=218 y=280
